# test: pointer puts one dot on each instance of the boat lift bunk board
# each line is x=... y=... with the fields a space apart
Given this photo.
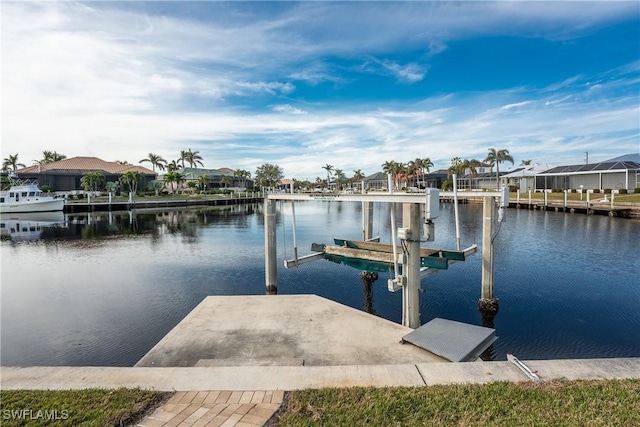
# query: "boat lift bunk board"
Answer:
x=383 y=253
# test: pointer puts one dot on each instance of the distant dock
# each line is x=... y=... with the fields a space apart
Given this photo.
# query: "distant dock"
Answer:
x=619 y=210
x=86 y=206
x=593 y=207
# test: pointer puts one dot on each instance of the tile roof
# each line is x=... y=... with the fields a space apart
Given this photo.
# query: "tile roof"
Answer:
x=85 y=164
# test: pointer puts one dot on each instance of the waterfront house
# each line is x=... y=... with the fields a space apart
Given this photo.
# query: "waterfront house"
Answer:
x=523 y=177
x=621 y=172
x=65 y=175
x=215 y=177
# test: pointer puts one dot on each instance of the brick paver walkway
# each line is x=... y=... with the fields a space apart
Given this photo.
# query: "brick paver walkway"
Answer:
x=216 y=409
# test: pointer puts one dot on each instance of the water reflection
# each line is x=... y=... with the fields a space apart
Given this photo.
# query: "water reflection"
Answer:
x=28 y=226
x=487 y=321
x=125 y=224
x=368 y=279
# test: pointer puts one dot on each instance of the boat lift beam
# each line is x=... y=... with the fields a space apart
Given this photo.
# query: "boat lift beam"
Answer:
x=411 y=223
x=396 y=197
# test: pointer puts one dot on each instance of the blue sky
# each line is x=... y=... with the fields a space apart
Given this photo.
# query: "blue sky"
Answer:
x=352 y=84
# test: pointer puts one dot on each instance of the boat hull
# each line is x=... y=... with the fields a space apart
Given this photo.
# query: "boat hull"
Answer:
x=37 y=206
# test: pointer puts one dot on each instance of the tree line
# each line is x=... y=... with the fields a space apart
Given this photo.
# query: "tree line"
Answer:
x=269 y=175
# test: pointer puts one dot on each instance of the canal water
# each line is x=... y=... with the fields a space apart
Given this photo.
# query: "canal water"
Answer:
x=102 y=289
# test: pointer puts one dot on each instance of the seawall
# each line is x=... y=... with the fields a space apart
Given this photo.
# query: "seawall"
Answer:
x=80 y=207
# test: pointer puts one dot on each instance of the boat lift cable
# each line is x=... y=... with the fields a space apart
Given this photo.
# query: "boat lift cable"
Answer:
x=295 y=240
x=500 y=217
x=393 y=231
x=455 y=209
x=284 y=230
x=379 y=217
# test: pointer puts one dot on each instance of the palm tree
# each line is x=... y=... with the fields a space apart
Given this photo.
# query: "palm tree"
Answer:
x=155 y=186
x=269 y=175
x=226 y=180
x=173 y=166
x=358 y=176
x=203 y=181
x=156 y=161
x=182 y=158
x=132 y=179
x=406 y=172
x=394 y=168
x=12 y=161
x=417 y=169
x=495 y=157
x=193 y=158
x=472 y=165
x=111 y=186
x=525 y=162
x=328 y=168
x=457 y=166
x=174 y=179
x=91 y=181
x=243 y=175
x=339 y=178
x=427 y=164
x=192 y=185
x=49 y=157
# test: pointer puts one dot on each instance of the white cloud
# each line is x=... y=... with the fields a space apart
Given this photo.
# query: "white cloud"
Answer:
x=515 y=105
x=85 y=79
x=269 y=87
x=289 y=109
x=409 y=73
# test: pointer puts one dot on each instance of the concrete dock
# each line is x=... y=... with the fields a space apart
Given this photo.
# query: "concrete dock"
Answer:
x=231 y=358
x=282 y=330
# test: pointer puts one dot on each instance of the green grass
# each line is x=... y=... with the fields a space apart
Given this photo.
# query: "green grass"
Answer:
x=91 y=407
x=558 y=403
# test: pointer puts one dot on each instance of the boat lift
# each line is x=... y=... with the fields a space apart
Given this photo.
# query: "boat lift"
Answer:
x=409 y=256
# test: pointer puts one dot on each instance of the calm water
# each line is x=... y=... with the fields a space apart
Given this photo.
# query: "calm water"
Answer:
x=102 y=290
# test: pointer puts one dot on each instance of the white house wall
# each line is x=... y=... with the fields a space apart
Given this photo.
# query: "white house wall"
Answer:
x=588 y=181
x=614 y=181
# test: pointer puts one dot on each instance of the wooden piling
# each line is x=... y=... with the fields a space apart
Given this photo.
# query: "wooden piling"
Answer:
x=487 y=303
x=411 y=292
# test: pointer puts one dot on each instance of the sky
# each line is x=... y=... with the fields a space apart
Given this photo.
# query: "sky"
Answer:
x=305 y=84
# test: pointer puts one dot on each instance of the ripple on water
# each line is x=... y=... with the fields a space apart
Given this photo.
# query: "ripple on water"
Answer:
x=105 y=295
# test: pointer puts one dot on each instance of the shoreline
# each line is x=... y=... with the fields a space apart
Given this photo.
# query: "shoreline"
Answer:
x=628 y=210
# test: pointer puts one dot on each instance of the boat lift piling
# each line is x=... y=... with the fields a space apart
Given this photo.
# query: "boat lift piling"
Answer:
x=487 y=303
x=367 y=221
x=270 y=259
x=295 y=239
x=411 y=291
x=367 y=218
x=455 y=209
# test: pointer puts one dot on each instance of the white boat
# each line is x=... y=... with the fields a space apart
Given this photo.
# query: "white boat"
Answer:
x=28 y=226
x=23 y=197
